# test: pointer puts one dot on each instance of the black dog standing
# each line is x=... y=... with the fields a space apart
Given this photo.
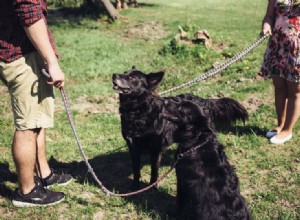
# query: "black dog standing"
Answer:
x=144 y=128
x=207 y=185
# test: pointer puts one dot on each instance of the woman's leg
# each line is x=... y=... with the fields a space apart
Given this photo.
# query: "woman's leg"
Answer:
x=292 y=110
x=281 y=94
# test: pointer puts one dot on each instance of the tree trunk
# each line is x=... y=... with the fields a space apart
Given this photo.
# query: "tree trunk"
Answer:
x=112 y=12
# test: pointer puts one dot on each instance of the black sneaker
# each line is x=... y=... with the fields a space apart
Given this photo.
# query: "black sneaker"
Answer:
x=39 y=196
x=55 y=178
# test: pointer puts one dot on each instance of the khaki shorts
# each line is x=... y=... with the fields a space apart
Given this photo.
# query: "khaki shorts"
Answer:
x=32 y=99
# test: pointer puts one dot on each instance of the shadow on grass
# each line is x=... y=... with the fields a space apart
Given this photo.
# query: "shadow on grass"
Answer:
x=243 y=130
x=114 y=171
x=6 y=175
x=73 y=15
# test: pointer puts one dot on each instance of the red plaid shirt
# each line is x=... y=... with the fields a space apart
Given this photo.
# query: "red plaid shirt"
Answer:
x=14 y=14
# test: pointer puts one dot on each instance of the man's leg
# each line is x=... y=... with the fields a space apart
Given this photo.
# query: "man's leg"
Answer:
x=42 y=166
x=49 y=177
x=24 y=155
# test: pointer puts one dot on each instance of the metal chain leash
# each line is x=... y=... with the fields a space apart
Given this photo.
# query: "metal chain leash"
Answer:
x=219 y=68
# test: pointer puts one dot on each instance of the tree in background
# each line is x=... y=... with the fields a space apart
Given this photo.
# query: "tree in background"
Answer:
x=113 y=13
x=96 y=6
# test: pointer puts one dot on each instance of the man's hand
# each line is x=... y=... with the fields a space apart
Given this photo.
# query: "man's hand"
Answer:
x=57 y=76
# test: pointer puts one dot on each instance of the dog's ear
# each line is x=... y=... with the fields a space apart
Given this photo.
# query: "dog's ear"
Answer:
x=154 y=79
x=133 y=68
x=205 y=121
x=199 y=115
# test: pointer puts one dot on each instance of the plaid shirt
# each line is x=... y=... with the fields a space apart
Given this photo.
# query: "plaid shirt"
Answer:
x=14 y=14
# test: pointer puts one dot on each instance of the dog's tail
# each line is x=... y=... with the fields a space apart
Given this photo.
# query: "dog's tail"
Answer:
x=226 y=111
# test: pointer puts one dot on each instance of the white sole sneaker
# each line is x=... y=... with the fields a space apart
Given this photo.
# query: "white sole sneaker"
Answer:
x=275 y=140
x=29 y=204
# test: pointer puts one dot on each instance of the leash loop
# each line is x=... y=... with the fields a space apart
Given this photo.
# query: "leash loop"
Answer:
x=179 y=156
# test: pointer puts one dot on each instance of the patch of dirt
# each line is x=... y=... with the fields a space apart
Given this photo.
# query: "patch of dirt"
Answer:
x=88 y=197
x=97 y=104
x=4 y=149
x=199 y=37
x=99 y=215
x=6 y=213
x=285 y=203
x=253 y=104
x=219 y=46
x=2 y=199
x=62 y=210
x=147 y=31
x=3 y=89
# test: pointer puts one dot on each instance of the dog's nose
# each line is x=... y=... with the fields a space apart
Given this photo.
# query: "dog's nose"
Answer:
x=114 y=76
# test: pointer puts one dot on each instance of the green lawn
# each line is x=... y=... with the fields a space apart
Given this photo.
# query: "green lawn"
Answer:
x=92 y=50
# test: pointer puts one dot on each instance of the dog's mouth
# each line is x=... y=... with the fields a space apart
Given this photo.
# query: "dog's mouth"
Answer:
x=121 y=89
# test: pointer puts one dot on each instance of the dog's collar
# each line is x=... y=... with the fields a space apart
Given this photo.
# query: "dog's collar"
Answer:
x=181 y=155
x=168 y=116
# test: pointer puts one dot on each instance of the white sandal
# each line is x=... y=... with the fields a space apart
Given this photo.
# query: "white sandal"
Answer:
x=275 y=140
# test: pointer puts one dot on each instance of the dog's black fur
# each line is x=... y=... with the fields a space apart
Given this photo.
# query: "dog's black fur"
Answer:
x=144 y=128
x=207 y=185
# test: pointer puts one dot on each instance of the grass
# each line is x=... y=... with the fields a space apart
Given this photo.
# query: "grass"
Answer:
x=93 y=49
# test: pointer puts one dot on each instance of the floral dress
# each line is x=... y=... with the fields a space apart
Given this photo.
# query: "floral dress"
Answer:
x=282 y=56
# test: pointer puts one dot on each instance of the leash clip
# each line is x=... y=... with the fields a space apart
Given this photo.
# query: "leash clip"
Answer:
x=179 y=156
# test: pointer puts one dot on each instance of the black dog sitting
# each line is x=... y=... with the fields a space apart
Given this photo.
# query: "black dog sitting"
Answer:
x=144 y=128
x=207 y=186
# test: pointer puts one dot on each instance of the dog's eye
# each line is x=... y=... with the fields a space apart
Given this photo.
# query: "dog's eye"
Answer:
x=131 y=77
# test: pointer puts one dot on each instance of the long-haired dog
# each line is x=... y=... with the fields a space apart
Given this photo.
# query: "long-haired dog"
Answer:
x=207 y=185
x=144 y=128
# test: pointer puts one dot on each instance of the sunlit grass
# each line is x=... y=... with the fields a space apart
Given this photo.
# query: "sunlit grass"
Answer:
x=92 y=50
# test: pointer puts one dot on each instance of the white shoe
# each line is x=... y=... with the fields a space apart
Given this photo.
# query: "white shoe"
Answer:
x=275 y=140
x=271 y=134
